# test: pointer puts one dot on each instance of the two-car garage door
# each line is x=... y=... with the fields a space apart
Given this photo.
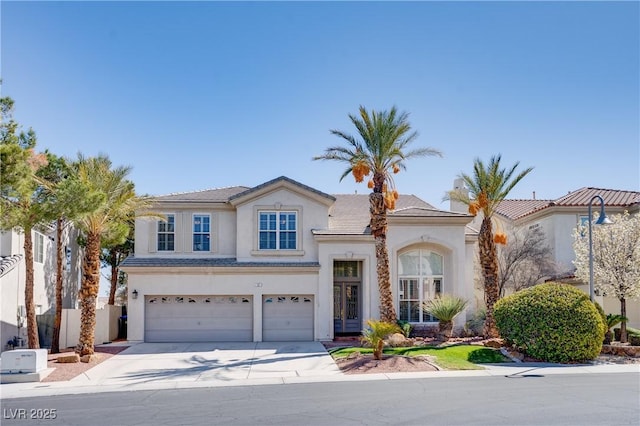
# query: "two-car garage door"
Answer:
x=198 y=319
x=227 y=318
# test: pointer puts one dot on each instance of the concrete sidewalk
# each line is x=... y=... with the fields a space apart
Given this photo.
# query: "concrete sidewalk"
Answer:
x=148 y=366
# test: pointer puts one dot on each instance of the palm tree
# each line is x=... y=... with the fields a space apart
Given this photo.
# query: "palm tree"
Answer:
x=108 y=218
x=380 y=150
x=64 y=198
x=488 y=186
x=375 y=333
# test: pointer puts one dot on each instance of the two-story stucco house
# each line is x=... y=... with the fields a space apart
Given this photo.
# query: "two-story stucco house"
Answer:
x=283 y=262
x=558 y=218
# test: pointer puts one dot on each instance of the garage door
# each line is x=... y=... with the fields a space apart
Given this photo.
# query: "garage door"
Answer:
x=198 y=319
x=287 y=318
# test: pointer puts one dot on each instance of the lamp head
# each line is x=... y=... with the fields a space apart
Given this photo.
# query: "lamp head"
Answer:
x=603 y=220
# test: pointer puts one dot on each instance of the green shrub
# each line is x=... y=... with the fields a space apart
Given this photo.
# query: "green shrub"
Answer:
x=551 y=322
x=601 y=312
x=406 y=327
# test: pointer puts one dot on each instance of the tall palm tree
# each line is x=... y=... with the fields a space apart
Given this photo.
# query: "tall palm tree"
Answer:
x=488 y=186
x=108 y=218
x=64 y=198
x=380 y=150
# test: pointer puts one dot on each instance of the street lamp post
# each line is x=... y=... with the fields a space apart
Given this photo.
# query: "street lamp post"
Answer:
x=602 y=220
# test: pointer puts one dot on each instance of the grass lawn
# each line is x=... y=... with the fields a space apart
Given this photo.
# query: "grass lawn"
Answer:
x=455 y=357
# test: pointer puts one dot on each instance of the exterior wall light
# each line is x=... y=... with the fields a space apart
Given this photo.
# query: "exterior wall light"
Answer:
x=134 y=293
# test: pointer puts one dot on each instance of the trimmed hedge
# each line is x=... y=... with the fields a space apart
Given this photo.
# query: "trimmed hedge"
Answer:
x=551 y=322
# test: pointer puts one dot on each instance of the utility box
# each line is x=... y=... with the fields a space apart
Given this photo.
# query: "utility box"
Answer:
x=23 y=361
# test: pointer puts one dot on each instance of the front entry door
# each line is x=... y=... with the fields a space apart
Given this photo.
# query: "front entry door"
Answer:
x=346 y=307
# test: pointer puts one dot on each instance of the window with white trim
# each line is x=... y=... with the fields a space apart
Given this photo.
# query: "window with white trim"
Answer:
x=167 y=233
x=201 y=232
x=38 y=248
x=278 y=230
x=420 y=274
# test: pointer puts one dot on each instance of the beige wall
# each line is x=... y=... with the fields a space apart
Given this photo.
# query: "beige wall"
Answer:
x=223 y=230
x=311 y=215
x=354 y=250
x=228 y=282
x=448 y=241
x=106 y=326
x=238 y=231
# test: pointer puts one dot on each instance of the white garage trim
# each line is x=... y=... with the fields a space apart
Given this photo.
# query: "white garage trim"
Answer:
x=287 y=318
x=198 y=318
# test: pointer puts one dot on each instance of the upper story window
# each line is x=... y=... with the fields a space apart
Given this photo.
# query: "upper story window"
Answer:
x=167 y=233
x=421 y=276
x=201 y=232
x=38 y=248
x=278 y=230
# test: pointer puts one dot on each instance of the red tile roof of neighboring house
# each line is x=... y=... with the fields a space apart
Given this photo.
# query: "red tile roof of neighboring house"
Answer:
x=611 y=197
x=516 y=209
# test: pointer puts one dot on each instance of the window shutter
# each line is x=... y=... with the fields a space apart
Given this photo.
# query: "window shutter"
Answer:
x=153 y=236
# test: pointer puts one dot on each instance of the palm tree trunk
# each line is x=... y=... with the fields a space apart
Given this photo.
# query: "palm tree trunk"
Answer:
x=30 y=307
x=489 y=265
x=445 y=330
x=114 y=277
x=379 y=232
x=57 y=320
x=88 y=294
x=623 y=324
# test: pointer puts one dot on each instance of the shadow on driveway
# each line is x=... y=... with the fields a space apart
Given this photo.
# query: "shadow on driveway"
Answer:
x=155 y=362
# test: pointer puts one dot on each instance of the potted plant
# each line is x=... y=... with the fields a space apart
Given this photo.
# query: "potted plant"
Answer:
x=445 y=308
x=612 y=321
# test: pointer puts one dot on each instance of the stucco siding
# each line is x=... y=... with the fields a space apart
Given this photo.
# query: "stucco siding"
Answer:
x=311 y=215
x=448 y=241
x=174 y=283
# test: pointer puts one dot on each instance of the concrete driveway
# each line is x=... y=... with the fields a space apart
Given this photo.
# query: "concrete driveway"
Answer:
x=156 y=363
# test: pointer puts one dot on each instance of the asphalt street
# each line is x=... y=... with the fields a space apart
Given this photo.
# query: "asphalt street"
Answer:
x=527 y=399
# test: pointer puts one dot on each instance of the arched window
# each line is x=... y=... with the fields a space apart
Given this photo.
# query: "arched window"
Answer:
x=420 y=278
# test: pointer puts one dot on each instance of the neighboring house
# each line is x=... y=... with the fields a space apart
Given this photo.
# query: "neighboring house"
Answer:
x=284 y=262
x=12 y=279
x=558 y=219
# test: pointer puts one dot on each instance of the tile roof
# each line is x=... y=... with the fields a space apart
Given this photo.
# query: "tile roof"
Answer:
x=280 y=179
x=350 y=214
x=611 y=197
x=133 y=261
x=7 y=263
x=516 y=209
x=216 y=195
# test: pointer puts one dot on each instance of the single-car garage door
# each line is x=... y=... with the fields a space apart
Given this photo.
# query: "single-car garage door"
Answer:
x=198 y=319
x=287 y=318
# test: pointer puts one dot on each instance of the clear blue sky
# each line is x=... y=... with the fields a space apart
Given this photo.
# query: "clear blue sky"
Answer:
x=210 y=94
